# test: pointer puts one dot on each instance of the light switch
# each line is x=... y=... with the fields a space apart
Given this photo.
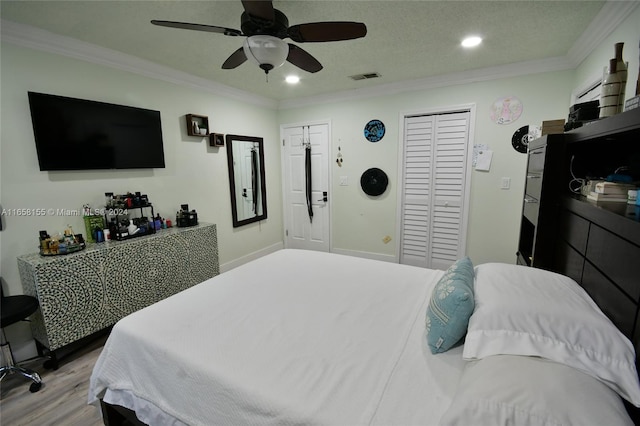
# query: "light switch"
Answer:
x=344 y=180
x=505 y=183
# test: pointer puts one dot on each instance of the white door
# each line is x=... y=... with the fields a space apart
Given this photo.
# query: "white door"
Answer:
x=435 y=189
x=306 y=219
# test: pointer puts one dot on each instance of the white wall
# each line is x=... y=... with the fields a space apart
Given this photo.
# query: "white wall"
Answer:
x=195 y=173
x=360 y=223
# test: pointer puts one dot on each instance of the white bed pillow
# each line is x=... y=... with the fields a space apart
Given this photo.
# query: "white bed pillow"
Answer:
x=518 y=390
x=528 y=311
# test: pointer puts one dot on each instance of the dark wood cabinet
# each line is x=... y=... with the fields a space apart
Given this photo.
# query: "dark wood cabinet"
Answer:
x=596 y=244
x=540 y=204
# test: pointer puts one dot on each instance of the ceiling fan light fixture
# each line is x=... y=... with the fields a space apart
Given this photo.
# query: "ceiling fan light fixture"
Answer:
x=267 y=51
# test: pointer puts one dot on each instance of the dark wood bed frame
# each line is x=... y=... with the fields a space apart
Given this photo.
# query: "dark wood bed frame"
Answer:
x=115 y=415
x=596 y=245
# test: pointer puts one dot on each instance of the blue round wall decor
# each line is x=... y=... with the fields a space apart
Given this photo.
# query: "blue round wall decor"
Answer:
x=374 y=130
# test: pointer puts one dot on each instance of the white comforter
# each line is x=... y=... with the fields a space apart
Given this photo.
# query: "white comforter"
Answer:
x=296 y=337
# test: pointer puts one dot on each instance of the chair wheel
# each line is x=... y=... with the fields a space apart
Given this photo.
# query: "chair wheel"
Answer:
x=35 y=387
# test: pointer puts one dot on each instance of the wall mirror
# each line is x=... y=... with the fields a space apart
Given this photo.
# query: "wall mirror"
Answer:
x=245 y=157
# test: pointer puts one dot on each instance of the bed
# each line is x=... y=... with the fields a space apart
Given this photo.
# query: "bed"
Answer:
x=304 y=337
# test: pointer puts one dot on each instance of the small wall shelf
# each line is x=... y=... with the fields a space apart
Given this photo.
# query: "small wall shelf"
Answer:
x=216 y=139
x=196 y=123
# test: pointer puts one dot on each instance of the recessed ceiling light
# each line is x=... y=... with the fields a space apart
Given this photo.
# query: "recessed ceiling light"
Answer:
x=471 y=41
x=292 y=79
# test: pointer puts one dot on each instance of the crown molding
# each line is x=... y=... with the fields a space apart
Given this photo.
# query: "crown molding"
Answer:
x=447 y=80
x=607 y=20
x=612 y=14
x=38 y=39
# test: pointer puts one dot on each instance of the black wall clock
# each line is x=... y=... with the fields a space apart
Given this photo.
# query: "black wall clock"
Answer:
x=374 y=182
x=374 y=130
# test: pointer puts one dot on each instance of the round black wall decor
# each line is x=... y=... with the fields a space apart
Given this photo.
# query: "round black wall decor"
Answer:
x=374 y=182
x=374 y=130
x=520 y=139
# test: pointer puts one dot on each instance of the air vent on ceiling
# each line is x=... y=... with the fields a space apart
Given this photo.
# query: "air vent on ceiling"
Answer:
x=365 y=76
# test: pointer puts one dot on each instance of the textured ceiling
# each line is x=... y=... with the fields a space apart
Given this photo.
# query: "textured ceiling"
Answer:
x=406 y=40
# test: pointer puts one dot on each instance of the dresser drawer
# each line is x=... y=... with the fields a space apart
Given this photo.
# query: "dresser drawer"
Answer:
x=533 y=185
x=568 y=261
x=616 y=258
x=530 y=209
x=574 y=230
x=535 y=163
x=614 y=303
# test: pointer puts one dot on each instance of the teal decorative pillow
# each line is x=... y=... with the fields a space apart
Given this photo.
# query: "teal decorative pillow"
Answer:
x=450 y=307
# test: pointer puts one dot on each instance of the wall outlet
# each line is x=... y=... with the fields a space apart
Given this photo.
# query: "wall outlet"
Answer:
x=344 y=180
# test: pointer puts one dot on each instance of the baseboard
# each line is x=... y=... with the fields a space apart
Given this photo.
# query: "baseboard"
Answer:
x=227 y=266
x=366 y=255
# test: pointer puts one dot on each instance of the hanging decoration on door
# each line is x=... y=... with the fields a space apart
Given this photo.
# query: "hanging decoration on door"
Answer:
x=374 y=130
x=374 y=182
x=307 y=175
x=506 y=110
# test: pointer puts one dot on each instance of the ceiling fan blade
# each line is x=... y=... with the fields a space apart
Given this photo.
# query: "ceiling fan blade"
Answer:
x=198 y=27
x=236 y=59
x=327 y=31
x=302 y=59
x=260 y=9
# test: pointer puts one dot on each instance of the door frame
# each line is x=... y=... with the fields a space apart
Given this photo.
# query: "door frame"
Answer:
x=471 y=108
x=285 y=214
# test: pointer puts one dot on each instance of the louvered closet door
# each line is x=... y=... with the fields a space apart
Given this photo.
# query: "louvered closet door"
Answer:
x=416 y=206
x=435 y=156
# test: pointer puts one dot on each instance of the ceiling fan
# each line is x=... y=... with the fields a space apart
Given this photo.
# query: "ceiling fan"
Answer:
x=265 y=29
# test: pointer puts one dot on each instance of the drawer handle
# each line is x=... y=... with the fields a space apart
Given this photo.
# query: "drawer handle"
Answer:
x=533 y=176
x=536 y=152
x=530 y=200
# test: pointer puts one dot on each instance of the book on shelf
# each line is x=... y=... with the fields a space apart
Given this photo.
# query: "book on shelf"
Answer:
x=620 y=189
x=611 y=198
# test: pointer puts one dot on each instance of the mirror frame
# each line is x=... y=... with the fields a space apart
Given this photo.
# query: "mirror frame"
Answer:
x=232 y=184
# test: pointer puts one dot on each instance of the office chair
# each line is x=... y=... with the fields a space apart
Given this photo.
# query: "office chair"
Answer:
x=14 y=309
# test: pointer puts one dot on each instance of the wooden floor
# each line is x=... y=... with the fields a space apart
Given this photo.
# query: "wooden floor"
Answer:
x=62 y=400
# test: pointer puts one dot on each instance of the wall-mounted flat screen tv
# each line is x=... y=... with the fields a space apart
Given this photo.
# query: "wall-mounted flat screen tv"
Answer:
x=77 y=134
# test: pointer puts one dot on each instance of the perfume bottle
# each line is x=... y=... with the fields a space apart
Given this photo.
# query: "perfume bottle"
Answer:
x=132 y=228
